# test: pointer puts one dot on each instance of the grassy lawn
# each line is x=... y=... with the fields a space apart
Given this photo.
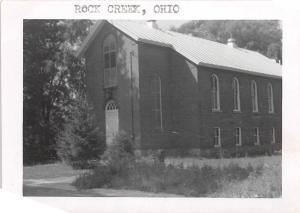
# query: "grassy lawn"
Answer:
x=239 y=177
x=47 y=171
x=215 y=178
x=272 y=161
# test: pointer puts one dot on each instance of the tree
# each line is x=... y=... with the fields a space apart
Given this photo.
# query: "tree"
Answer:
x=261 y=36
x=52 y=79
x=80 y=140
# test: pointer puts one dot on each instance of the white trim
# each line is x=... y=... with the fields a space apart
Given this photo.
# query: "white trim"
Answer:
x=239 y=136
x=217 y=108
x=111 y=79
x=254 y=96
x=238 y=109
x=273 y=139
x=256 y=136
x=270 y=98
x=218 y=137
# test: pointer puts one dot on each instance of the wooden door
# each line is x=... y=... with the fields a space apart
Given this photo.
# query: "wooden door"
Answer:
x=112 y=121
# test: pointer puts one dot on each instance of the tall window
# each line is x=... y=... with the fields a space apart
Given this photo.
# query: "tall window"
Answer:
x=270 y=98
x=217 y=137
x=157 y=101
x=215 y=95
x=236 y=95
x=256 y=136
x=238 y=136
x=273 y=136
x=254 y=96
x=110 y=64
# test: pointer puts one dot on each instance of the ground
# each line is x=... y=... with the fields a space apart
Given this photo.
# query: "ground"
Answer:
x=55 y=179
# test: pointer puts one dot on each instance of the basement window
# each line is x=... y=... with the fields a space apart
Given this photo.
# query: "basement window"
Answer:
x=256 y=136
x=273 y=136
x=238 y=136
x=217 y=137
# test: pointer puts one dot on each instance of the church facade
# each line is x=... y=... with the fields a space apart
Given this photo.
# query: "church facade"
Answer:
x=173 y=91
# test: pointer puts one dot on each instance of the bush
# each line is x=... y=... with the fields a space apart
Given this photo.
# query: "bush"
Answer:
x=80 y=142
x=119 y=155
x=158 y=177
x=99 y=177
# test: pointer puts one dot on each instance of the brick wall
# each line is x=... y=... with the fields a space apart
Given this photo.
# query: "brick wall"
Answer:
x=227 y=120
x=127 y=64
x=188 y=120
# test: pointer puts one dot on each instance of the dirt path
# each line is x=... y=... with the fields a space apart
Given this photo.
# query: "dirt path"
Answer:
x=61 y=187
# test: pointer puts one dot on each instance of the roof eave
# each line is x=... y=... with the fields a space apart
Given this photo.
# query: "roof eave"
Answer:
x=239 y=70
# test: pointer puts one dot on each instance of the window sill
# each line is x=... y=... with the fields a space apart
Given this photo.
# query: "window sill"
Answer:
x=236 y=111
x=216 y=110
x=217 y=146
x=238 y=145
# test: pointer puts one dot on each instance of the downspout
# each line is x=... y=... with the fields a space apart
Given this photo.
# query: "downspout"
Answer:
x=131 y=97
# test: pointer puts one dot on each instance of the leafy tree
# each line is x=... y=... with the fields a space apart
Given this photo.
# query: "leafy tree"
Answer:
x=80 y=140
x=52 y=80
x=262 y=36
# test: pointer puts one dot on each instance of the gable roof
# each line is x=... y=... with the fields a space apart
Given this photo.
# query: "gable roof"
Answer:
x=200 y=51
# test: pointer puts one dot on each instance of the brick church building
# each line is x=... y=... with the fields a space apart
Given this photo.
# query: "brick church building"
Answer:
x=175 y=91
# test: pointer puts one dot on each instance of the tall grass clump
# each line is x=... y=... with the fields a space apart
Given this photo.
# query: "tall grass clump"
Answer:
x=120 y=170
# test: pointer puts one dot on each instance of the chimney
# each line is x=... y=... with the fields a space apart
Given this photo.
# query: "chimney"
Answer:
x=152 y=24
x=231 y=42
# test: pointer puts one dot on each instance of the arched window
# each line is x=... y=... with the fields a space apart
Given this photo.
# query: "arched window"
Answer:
x=111 y=105
x=270 y=98
x=215 y=96
x=236 y=95
x=254 y=96
x=157 y=102
x=110 y=64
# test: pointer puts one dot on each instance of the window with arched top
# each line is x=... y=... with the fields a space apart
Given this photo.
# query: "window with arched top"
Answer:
x=270 y=98
x=111 y=105
x=254 y=96
x=110 y=63
x=215 y=95
x=236 y=95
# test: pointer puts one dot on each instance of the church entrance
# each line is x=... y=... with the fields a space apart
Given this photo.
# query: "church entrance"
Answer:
x=112 y=121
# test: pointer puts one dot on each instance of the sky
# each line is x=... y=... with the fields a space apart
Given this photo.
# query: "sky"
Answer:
x=166 y=24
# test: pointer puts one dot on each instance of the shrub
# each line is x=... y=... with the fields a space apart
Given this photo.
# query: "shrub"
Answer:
x=80 y=142
x=98 y=177
x=119 y=155
x=157 y=177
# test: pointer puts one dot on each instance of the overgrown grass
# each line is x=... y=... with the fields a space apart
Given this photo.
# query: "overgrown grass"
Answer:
x=46 y=171
x=158 y=177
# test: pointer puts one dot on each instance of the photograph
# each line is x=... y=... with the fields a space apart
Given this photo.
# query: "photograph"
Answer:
x=152 y=108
